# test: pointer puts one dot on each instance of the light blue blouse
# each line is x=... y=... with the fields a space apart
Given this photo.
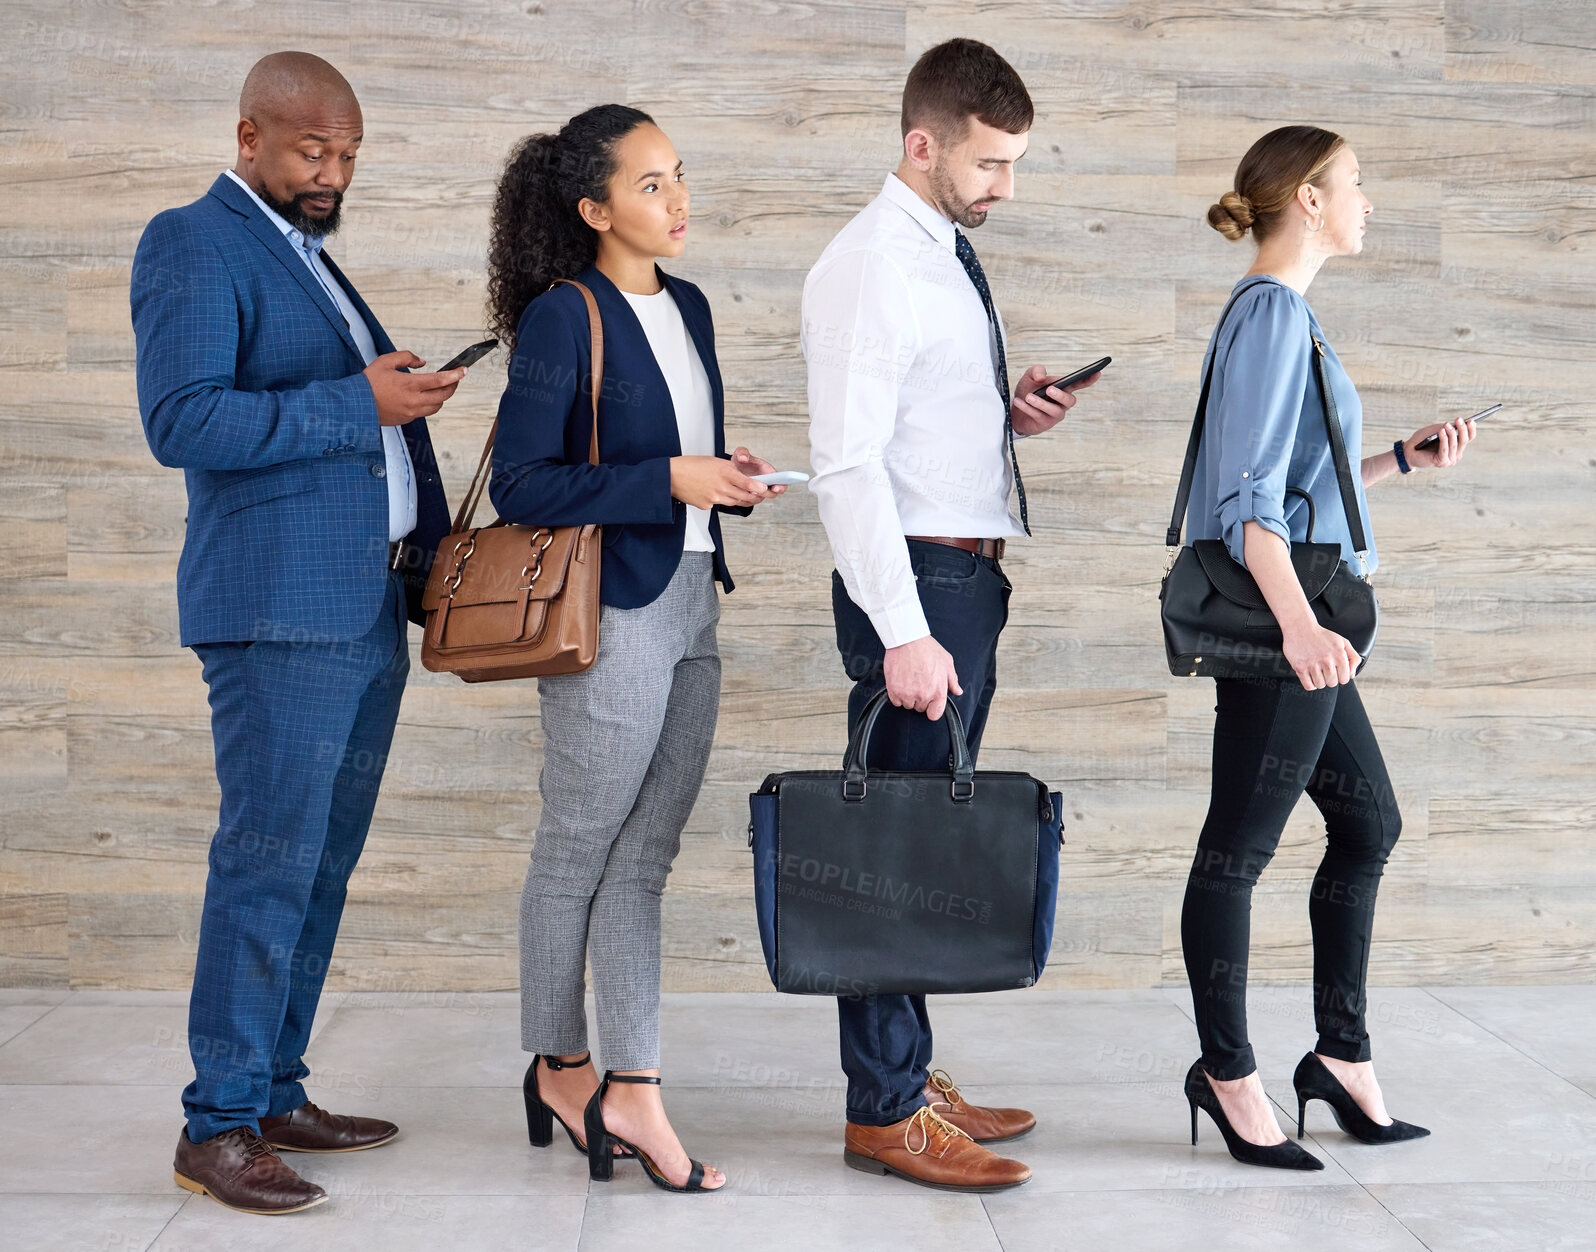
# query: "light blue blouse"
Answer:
x=1265 y=428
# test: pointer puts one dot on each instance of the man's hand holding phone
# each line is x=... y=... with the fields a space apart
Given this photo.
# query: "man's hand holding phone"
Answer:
x=403 y=397
x=1040 y=402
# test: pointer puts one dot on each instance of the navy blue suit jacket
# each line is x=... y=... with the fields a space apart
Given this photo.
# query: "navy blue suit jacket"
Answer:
x=249 y=380
x=541 y=475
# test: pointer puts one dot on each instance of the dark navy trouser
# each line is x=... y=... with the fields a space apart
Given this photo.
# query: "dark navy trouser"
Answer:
x=886 y=1039
x=302 y=731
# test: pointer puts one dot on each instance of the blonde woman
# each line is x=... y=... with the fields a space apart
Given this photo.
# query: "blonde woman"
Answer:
x=1298 y=193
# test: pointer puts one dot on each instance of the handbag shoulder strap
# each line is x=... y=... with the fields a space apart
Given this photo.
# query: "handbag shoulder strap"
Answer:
x=479 y=480
x=1338 y=453
x=1332 y=422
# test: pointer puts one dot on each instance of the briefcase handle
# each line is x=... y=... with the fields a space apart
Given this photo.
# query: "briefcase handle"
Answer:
x=853 y=763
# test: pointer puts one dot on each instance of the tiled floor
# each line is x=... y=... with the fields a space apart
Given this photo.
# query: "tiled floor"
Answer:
x=1505 y=1076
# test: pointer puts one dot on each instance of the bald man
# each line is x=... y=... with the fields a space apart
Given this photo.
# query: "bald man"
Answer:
x=314 y=508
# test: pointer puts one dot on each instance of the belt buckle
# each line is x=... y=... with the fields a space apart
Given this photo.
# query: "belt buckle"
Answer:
x=395 y=552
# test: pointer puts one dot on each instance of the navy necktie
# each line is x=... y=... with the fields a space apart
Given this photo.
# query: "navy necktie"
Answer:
x=972 y=267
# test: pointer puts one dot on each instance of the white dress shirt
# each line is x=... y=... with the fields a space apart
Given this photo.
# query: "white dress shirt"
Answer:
x=400 y=474
x=688 y=382
x=906 y=428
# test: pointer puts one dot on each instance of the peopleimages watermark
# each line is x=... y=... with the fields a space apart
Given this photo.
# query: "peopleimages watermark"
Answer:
x=878 y=895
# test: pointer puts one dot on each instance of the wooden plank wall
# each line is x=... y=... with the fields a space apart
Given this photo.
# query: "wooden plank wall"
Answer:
x=1474 y=123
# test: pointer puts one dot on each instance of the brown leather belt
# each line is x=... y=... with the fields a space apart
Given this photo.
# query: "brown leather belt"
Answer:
x=981 y=547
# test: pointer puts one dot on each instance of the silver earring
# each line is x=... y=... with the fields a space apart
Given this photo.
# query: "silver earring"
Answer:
x=1320 y=226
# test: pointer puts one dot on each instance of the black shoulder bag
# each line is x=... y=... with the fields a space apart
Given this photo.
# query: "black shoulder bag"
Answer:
x=1216 y=621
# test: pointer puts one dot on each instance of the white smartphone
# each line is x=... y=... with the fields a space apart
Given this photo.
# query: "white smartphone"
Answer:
x=781 y=478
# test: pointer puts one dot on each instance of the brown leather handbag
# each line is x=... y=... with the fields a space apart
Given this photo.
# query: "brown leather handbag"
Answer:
x=509 y=601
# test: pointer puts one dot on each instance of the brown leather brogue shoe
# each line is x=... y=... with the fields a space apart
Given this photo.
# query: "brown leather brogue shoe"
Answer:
x=310 y=1129
x=929 y=1151
x=240 y=1170
x=984 y=1125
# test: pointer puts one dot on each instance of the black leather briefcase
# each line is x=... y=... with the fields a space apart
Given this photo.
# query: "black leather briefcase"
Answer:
x=870 y=882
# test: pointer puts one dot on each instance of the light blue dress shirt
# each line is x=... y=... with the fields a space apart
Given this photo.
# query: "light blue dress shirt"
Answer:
x=1265 y=429
x=400 y=476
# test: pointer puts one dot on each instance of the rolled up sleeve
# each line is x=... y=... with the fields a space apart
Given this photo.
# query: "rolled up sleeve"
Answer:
x=1265 y=379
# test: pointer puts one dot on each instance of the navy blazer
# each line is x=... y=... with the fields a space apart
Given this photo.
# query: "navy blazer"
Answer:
x=541 y=475
x=249 y=380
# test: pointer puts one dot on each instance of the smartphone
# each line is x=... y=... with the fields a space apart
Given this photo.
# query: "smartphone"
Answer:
x=781 y=478
x=1435 y=439
x=471 y=355
x=1079 y=376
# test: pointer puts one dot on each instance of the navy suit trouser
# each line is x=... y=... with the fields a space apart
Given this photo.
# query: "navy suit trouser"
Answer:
x=302 y=732
x=886 y=1039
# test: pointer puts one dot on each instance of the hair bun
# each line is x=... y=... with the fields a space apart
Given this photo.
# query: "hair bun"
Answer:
x=1233 y=216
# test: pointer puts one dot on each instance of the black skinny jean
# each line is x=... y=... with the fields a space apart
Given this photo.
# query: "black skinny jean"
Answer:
x=1273 y=740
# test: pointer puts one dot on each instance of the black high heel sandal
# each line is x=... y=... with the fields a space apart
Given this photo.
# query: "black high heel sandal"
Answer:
x=1314 y=1081
x=1200 y=1094
x=601 y=1143
x=540 y=1117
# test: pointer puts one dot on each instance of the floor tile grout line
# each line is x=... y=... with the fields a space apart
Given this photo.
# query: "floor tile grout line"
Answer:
x=992 y=1225
x=167 y=1223
x=33 y=1023
x=1508 y=1043
x=1364 y=1187
x=1261 y=1185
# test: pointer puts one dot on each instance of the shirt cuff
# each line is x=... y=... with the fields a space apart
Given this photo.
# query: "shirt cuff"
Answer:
x=901 y=623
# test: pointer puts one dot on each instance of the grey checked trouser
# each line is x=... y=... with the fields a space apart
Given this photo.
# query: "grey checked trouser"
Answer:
x=626 y=743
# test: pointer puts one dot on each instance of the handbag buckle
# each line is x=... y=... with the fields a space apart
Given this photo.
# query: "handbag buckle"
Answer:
x=1174 y=551
x=533 y=568
x=853 y=782
x=453 y=582
x=953 y=790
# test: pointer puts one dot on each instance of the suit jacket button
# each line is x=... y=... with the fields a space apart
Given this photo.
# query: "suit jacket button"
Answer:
x=379 y=470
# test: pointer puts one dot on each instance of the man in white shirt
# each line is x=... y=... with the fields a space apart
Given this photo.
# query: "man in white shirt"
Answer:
x=912 y=431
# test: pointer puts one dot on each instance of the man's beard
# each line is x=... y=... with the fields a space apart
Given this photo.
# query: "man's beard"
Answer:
x=293 y=212
x=947 y=198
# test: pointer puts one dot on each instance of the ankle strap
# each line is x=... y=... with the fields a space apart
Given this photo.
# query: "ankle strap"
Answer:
x=554 y=1062
x=613 y=1077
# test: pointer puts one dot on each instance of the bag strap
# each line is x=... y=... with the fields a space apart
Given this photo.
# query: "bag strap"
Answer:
x=479 y=480
x=1332 y=422
x=855 y=772
x=1338 y=453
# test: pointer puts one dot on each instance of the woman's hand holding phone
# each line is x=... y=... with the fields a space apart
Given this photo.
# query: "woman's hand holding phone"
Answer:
x=705 y=481
x=1450 y=440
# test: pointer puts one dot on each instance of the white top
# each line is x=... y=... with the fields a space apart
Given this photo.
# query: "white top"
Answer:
x=400 y=476
x=906 y=428
x=691 y=397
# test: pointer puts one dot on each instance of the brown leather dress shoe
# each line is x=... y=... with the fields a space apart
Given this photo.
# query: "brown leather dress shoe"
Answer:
x=240 y=1170
x=984 y=1125
x=310 y=1129
x=927 y=1150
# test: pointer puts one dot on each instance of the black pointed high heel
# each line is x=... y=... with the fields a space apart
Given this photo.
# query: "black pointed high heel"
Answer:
x=1314 y=1081
x=540 y=1117
x=601 y=1143
x=1200 y=1095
